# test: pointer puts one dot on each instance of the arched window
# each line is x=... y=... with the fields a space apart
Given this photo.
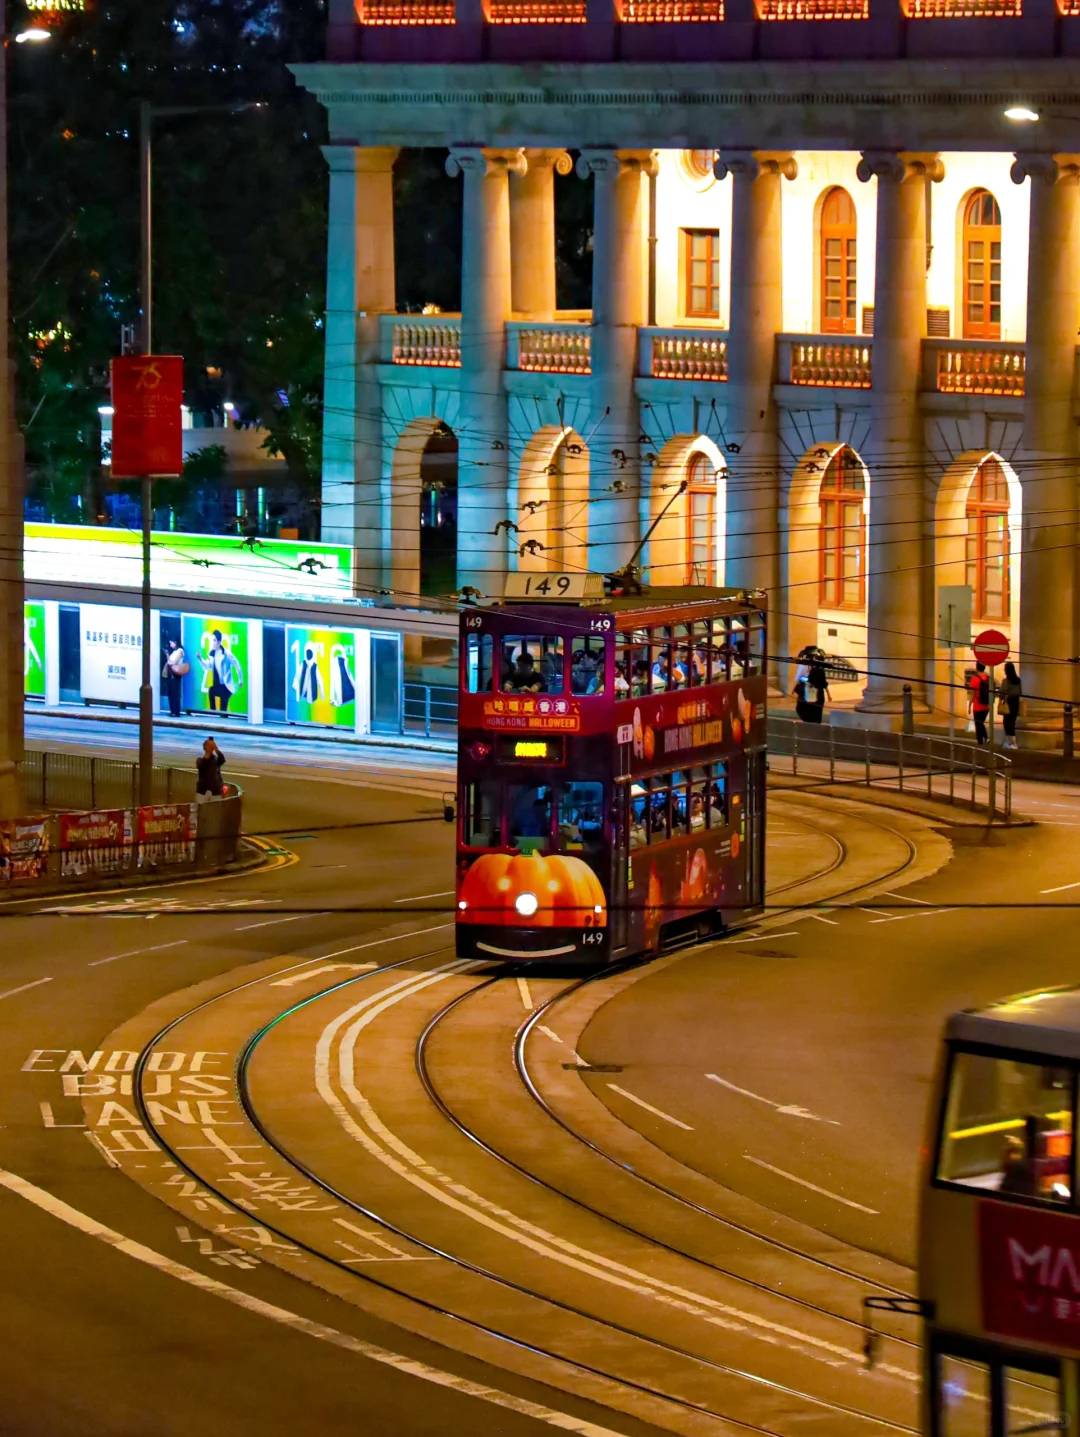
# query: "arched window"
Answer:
x=843 y=533
x=701 y=533
x=838 y=232
x=982 y=267
x=699 y=163
x=988 y=541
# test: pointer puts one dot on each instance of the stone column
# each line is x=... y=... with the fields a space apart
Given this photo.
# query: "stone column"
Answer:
x=752 y=558
x=359 y=288
x=483 y=422
x=899 y=583
x=619 y=290
x=1047 y=463
x=532 y=233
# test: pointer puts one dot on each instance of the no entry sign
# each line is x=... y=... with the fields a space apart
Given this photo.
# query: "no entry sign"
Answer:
x=147 y=393
x=991 y=647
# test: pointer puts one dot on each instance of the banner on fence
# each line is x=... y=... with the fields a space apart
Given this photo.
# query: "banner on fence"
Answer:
x=95 y=842
x=166 y=833
x=24 y=849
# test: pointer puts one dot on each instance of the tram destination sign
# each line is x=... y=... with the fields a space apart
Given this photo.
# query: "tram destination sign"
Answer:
x=1029 y=1268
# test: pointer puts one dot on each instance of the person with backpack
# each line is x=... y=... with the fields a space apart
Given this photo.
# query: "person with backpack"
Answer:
x=1010 y=692
x=979 y=700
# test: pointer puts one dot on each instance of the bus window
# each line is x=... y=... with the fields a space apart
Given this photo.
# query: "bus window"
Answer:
x=581 y=817
x=659 y=810
x=740 y=650
x=639 y=804
x=478 y=664
x=528 y=820
x=1008 y=1128
x=963 y=1397
x=699 y=652
x=700 y=799
x=680 y=806
x=682 y=658
x=719 y=652
x=1033 y=1402
x=480 y=820
x=587 y=666
x=660 y=649
x=717 y=802
x=532 y=664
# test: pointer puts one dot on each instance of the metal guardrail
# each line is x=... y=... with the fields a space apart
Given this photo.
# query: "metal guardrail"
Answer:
x=944 y=769
x=428 y=706
x=79 y=781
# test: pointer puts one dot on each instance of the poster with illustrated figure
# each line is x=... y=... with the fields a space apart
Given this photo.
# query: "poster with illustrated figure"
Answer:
x=320 y=676
x=34 y=649
x=217 y=651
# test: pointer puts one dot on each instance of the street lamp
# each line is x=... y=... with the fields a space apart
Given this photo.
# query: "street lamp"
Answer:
x=34 y=35
x=1022 y=115
x=147 y=114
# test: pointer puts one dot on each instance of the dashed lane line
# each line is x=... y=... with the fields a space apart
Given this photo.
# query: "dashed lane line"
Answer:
x=791 y=933
x=24 y=988
x=267 y=922
x=812 y=1186
x=419 y=897
x=409 y=1366
x=649 y=1107
x=906 y=898
x=1061 y=888
x=136 y=952
x=922 y=913
x=526 y=995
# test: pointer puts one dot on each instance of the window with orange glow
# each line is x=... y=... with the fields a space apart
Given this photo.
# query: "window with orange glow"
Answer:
x=701 y=261
x=962 y=9
x=536 y=12
x=637 y=12
x=982 y=267
x=699 y=163
x=843 y=533
x=815 y=10
x=701 y=521
x=409 y=12
x=837 y=281
x=988 y=541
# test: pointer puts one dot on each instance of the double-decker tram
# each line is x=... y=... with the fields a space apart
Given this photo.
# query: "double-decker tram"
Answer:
x=999 y=1249
x=611 y=768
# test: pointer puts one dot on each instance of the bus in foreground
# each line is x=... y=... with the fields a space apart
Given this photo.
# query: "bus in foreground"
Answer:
x=999 y=1247
x=611 y=769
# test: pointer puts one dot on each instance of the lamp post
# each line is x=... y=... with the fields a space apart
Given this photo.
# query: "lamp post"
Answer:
x=147 y=114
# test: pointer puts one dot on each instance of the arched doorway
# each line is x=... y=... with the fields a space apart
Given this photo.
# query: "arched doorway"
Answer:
x=977 y=542
x=687 y=545
x=981 y=249
x=836 y=279
x=438 y=513
x=553 y=502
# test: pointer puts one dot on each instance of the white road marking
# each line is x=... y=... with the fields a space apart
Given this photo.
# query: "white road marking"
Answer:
x=922 y=913
x=791 y=1110
x=267 y=922
x=412 y=1368
x=812 y=1186
x=649 y=1107
x=25 y=988
x=376 y=942
x=419 y=897
x=820 y=917
x=315 y=972
x=550 y=1033
x=135 y=952
x=762 y=937
x=1060 y=888
x=906 y=899
x=526 y=996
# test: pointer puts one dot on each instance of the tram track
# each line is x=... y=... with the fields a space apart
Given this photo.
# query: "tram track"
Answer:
x=673 y=1400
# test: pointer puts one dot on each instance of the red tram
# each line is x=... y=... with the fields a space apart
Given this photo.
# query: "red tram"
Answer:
x=611 y=768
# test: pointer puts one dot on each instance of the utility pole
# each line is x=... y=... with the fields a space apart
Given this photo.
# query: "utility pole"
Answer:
x=146 y=688
x=11 y=514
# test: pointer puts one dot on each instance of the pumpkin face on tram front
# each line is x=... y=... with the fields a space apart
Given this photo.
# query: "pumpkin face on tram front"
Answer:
x=568 y=893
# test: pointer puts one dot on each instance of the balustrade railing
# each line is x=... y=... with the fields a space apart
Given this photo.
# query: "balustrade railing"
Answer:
x=684 y=354
x=555 y=347
x=434 y=341
x=974 y=366
x=825 y=363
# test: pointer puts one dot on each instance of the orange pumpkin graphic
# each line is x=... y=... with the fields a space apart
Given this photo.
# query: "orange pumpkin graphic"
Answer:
x=649 y=744
x=653 y=907
x=567 y=891
x=696 y=883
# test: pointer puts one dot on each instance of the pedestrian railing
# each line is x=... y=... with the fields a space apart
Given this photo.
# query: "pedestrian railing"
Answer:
x=79 y=781
x=430 y=708
x=948 y=770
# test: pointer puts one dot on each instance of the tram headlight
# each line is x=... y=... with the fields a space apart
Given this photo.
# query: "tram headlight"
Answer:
x=526 y=904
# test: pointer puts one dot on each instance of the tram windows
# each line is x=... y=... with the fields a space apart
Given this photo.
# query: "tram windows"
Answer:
x=658 y=813
x=963 y=1397
x=639 y=809
x=587 y=666
x=739 y=645
x=680 y=806
x=480 y=821
x=1008 y=1128
x=1033 y=1402
x=699 y=652
x=581 y=817
x=702 y=814
x=528 y=817
x=478 y=663
x=660 y=649
x=532 y=664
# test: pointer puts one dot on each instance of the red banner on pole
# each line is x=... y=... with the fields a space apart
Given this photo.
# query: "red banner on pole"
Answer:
x=147 y=396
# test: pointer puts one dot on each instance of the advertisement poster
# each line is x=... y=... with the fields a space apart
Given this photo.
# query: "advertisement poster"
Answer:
x=166 y=834
x=147 y=397
x=217 y=650
x=34 y=649
x=321 y=672
x=24 y=849
x=110 y=653
x=1029 y=1263
x=95 y=842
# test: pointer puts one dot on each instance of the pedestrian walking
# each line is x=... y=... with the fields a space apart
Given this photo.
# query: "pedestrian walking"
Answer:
x=811 y=685
x=979 y=701
x=1010 y=692
x=209 y=766
x=176 y=666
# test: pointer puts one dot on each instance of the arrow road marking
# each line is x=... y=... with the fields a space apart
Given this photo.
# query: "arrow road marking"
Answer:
x=790 y=1110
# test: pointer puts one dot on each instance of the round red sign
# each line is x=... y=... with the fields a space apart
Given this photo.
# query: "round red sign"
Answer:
x=991 y=647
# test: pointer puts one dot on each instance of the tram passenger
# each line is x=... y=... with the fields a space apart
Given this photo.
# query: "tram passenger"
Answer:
x=697 y=813
x=1018 y=1171
x=524 y=678
x=680 y=670
x=586 y=676
x=660 y=671
x=551 y=672
x=640 y=685
x=622 y=685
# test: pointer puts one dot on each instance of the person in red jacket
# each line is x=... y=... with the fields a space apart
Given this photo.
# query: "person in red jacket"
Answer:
x=979 y=688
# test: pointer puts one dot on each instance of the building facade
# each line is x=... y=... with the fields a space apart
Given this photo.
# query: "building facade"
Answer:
x=836 y=299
